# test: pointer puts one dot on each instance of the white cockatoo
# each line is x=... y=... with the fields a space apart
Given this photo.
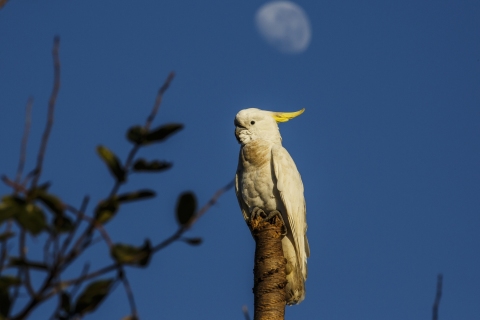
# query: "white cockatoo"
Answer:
x=267 y=179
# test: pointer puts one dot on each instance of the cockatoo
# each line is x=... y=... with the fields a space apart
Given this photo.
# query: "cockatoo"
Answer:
x=267 y=179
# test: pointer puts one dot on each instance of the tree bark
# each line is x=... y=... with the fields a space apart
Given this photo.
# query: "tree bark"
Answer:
x=269 y=271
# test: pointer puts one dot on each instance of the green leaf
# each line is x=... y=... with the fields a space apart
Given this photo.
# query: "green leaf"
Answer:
x=5 y=302
x=112 y=162
x=128 y=254
x=6 y=235
x=156 y=165
x=62 y=224
x=65 y=302
x=18 y=262
x=50 y=201
x=32 y=219
x=44 y=186
x=136 y=134
x=186 y=207
x=161 y=133
x=106 y=209
x=137 y=195
x=28 y=216
x=92 y=296
x=193 y=241
x=8 y=208
x=8 y=281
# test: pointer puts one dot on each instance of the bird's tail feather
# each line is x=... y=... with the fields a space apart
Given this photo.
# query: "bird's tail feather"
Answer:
x=295 y=289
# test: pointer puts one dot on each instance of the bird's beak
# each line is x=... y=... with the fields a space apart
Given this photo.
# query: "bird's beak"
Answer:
x=285 y=116
x=238 y=129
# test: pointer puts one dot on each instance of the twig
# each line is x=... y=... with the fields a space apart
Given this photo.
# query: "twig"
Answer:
x=79 y=280
x=82 y=274
x=211 y=202
x=158 y=100
x=38 y=297
x=26 y=271
x=128 y=290
x=16 y=290
x=94 y=223
x=46 y=250
x=13 y=184
x=177 y=235
x=148 y=123
x=51 y=109
x=70 y=236
x=438 y=295
x=169 y=240
x=23 y=148
x=3 y=251
x=245 y=313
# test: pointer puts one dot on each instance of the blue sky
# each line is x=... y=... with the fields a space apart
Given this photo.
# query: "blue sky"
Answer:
x=388 y=146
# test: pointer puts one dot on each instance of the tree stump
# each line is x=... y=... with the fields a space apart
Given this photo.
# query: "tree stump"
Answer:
x=269 y=270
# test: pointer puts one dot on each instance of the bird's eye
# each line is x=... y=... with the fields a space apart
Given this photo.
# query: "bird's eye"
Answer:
x=252 y=122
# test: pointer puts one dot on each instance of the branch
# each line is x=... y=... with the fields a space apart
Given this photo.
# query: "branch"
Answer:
x=79 y=280
x=128 y=290
x=213 y=200
x=4 y=249
x=70 y=236
x=51 y=109
x=158 y=100
x=23 y=148
x=438 y=295
x=26 y=271
x=148 y=123
x=245 y=313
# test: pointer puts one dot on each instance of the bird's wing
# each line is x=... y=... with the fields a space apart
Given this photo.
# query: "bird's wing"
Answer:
x=290 y=187
x=238 y=192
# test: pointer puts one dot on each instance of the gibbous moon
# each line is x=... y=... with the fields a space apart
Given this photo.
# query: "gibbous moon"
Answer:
x=284 y=25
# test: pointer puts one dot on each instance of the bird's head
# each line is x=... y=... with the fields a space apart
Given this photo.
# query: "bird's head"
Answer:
x=253 y=123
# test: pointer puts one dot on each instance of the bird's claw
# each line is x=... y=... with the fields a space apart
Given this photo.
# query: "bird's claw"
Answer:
x=277 y=214
x=259 y=213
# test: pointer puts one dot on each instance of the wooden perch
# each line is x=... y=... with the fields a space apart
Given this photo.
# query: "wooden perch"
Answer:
x=269 y=270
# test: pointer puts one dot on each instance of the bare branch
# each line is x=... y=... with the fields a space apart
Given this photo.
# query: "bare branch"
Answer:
x=82 y=278
x=70 y=236
x=169 y=240
x=95 y=224
x=15 y=186
x=177 y=235
x=158 y=100
x=26 y=131
x=128 y=290
x=4 y=250
x=51 y=109
x=438 y=296
x=245 y=313
x=84 y=272
x=26 y=271
x=211 y=202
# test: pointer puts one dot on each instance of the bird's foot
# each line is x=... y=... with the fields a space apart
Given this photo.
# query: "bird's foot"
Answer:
x=258 y=213
x=277 y=214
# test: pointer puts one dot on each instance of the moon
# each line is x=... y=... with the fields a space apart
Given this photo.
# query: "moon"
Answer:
x=284 y=25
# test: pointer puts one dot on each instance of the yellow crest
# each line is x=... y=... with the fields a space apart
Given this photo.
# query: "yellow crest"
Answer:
x=285 y=116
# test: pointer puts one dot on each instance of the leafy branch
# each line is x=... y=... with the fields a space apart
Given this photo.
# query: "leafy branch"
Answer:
x=69 y=231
